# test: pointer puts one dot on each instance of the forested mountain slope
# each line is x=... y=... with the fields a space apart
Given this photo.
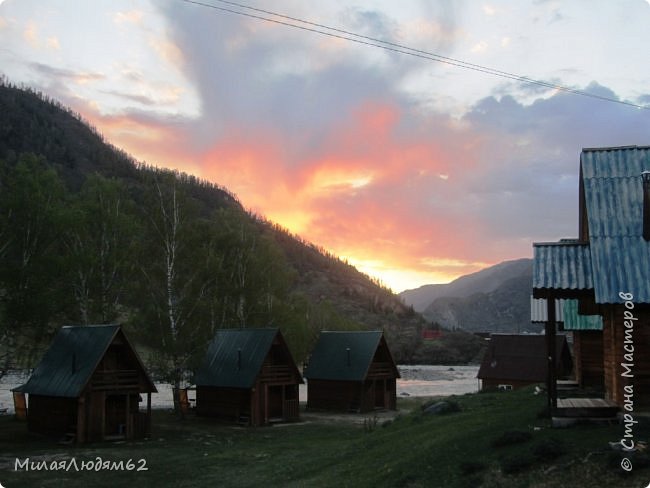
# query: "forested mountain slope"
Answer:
x=89 y=235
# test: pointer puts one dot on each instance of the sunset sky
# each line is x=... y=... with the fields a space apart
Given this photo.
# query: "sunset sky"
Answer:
x=415 y=171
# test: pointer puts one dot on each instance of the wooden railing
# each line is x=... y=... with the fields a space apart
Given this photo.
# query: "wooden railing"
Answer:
x=291 y=409
x=140 y=425
x=115 y=380
x=276 y=373
x=380 y=369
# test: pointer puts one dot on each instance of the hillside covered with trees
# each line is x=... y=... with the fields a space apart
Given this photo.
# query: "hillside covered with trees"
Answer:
x=88 y=235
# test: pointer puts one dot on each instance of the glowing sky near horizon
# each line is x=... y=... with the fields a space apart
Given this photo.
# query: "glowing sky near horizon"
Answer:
x=415 y=171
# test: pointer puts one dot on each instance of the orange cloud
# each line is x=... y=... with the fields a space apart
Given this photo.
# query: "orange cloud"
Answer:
x=367 y=192
x=30 y=34
x=53 y=43
x=130 y=17
x=168 y=51
x=149 y=141
x=359 y=195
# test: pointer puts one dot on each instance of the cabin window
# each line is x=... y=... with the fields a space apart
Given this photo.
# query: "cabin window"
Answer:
x=505 y=387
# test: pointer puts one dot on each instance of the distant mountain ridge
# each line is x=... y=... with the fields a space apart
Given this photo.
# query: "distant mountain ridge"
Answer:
x=495 y=299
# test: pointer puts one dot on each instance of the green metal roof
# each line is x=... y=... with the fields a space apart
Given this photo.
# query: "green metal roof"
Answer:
x=613 y=190
x=72 y=358
x=575 y=321
x=616 y=257
x=344 y=356
x=235 y=357
x=564 y=265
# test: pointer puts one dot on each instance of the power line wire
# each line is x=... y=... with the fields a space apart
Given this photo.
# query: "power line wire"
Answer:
x=397 y=48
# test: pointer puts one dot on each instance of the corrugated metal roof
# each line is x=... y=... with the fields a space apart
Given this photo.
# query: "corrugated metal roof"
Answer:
x=83 y=345
x=617 y=258
x=575 y=321
x=614 y=200
x=562 y=266
x=538 y=310
x=330 y=359
x=520 y=357
x=235 y=357
x=614 y=162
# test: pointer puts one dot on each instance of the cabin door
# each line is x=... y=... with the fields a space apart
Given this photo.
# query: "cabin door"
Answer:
x=116 y=415
x=380 y=393
x=275 y=401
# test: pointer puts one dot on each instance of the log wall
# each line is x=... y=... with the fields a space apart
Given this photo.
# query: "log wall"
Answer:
x=614 y=351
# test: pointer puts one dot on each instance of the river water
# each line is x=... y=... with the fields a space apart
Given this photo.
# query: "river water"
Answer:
x=416 y=381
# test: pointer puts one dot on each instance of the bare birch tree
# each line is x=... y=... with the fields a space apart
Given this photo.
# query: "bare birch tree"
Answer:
x=176 y=278
x=100 y=243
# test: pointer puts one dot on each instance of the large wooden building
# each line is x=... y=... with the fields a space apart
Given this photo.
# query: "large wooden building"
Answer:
x=513 y=361
x=248 y=376
x=607 y=270
x=352 y=372
x=88 y=387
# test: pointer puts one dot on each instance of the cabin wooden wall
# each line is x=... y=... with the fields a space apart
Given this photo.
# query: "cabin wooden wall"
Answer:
x=334 y=395
x=95 y=420
x=346 y=396
x=588 y=358
x=53 y=416
x=613 y=355
x=226 y=403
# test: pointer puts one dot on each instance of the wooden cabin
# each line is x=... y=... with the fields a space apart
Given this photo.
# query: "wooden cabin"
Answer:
x=248 y=376
x=607 y=269
x=88 y=387
x=351 y=372
x=512 y=361
x=587 y=331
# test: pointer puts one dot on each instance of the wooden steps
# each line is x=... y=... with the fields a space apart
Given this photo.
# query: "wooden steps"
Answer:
x=584 y=408
x=567 y=385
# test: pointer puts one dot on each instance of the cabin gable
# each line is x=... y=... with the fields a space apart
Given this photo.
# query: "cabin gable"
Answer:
x=87 y=387
x=351 y=371
x=248 y=376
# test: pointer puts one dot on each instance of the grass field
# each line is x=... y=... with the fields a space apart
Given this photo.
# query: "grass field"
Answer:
x=495 y=440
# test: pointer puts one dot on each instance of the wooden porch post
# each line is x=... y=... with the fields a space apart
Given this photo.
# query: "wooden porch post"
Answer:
x=149 y=413
x=81 y=419
x=255 y=404
x=265 y=399
x=551 y=382
x=102 y=397
x=127 y=425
